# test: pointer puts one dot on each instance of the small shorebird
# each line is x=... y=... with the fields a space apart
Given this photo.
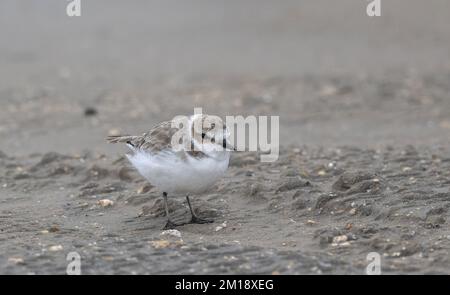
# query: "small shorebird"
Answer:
x=181 y=171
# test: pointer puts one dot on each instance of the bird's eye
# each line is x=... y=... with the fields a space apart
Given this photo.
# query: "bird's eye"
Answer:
x=203 y=135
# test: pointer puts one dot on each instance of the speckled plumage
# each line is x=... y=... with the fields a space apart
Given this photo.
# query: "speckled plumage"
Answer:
x=176 y=171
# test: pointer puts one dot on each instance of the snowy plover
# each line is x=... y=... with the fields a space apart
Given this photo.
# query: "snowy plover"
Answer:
x=174 y=170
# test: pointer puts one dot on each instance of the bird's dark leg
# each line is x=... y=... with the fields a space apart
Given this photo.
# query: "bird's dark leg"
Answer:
x=170 y=224
x=195 y=218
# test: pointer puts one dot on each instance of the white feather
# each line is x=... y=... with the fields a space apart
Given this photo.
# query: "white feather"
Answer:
x=171 y=174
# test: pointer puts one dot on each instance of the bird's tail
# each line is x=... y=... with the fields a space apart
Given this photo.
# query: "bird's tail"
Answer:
x=120 y=138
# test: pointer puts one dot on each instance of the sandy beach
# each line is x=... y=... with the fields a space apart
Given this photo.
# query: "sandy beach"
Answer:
x=364 y=108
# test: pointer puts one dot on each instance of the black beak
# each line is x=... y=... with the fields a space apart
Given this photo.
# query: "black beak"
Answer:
x=226 y=144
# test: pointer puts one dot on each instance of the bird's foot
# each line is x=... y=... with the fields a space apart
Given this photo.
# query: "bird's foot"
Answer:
x=199 y=220
x=172 y=225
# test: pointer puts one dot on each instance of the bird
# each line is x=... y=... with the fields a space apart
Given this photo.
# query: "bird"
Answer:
x=189 y=167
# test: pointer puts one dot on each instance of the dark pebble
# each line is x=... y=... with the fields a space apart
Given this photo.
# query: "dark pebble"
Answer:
x=90 y=111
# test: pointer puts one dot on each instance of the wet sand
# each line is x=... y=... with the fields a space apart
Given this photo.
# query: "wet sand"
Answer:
x=364 y=128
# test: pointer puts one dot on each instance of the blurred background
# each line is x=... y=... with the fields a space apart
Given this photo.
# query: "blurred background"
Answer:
x=334 y=75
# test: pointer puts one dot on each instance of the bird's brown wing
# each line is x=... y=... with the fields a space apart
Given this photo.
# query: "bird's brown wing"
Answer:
x=156 y=140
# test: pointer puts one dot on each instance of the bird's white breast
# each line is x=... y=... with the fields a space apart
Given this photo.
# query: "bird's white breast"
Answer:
x=171 y=174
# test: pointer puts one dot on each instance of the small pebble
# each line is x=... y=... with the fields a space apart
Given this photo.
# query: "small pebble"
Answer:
x=53 y=229
x=90 y=111
x=340 y=239
x=161 y=244
x=222 y=226
x=55 y=248
x=311 y=222
x=108 y=258
x=105 y=203
x=171 y=232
